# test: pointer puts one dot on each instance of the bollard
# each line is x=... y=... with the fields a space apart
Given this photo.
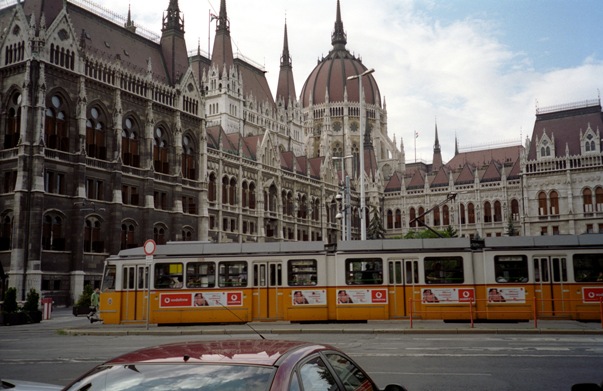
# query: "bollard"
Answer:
x=47 y=310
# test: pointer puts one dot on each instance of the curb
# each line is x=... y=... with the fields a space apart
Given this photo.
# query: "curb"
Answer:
x=279 y=331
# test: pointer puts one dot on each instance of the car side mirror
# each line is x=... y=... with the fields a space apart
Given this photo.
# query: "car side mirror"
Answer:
x=396 y=387
x=586 y=387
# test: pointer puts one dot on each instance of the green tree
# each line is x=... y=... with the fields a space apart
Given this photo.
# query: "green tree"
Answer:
x=84 y=299
x=511 y=230
x=375 y=228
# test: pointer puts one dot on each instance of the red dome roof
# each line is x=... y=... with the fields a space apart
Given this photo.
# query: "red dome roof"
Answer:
x=331 y=73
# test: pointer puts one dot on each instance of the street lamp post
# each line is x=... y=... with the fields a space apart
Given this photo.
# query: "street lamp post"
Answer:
x=362 y=126
x=346 y=228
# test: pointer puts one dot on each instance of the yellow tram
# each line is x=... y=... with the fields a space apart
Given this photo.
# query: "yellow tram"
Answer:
x=518 y=278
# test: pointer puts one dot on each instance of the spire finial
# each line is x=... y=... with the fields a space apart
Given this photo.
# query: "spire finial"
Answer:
x=339 y=37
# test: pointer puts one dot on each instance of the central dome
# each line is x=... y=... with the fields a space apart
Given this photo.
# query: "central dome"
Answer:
x=331 y=73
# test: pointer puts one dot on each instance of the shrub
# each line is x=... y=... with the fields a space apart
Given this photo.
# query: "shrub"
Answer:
x=32 y=301
x=10 y=300
x=84 y=299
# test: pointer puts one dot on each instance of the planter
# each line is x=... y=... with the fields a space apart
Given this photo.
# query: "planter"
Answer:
x=34 y=316
x=14 y=318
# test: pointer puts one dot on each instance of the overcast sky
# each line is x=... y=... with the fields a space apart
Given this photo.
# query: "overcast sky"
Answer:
x=479 y=68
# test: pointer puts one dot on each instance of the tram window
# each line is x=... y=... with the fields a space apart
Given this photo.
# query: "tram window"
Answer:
x=109 y=279
x=200 y=275
x=559 y=270
x=511 y=268
x=412 y=272
x=302 y=272
x=232 y=273
x=444 y=270
x=364 y=271
x=588 y=267
x=168 y=275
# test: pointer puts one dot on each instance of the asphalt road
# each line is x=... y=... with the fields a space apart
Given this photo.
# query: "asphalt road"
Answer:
x=423 y=361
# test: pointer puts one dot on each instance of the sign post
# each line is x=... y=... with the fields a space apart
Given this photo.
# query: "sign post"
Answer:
x=149 y=249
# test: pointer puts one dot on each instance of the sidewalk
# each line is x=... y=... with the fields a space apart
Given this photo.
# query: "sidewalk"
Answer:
x=63 y=321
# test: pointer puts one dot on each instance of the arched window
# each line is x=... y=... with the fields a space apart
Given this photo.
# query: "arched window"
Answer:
x=187 y=234
x=55 y=127
x=390 y=219
x=554 y=203
x=412 y=215
x=211 y=188
x=515 y=209
x=6 y=229
x=130 y=143
x=128 y=230
x=398 y=220
x=52 y=233
x=487 y=212
x=232 y=192
x=92 y=235
x=436 y=216
x=497 y=211
x=244 y=194
x=542 y=209
x=599 y=198
x=189 y=163
x=160 y=151
x=587 y=200
x=471 y=213
x=252 y=201
x=96 y=134
x=160 y=234
x=13 y=122
x=445 y=216
x=463 y=219
x=422 y=218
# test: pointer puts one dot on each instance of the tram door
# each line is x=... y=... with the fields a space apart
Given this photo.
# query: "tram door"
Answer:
x=134 y=293
x=268 y=298
x=403 y=275
x=551 y=289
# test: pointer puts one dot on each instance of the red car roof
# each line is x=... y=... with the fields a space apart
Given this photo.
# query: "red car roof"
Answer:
x=248 y=351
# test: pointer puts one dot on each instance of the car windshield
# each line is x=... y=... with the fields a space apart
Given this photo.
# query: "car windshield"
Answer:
x=184 y=377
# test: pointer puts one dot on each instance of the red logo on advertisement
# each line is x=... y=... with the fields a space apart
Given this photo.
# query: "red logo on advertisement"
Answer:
x=379 y=296
x=234 y=298
x=466 y=295
x=592 y=295
x=176 y=300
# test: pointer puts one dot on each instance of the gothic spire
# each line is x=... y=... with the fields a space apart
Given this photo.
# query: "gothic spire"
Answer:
x=172 y=19
x=339 y=37
x=437 y=152
x=286 y=87
x=222 y=52
x=173 y=45
x=223 y=22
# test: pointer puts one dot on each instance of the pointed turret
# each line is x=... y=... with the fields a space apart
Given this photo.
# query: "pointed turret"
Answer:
x=221 y=55
x=339 y=38
x=437 y=152
x=286 y=87
x=129 y=22
x=173 y=46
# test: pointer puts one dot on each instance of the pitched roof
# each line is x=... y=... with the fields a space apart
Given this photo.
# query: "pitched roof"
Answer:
x=503 y=155
x=565 y=125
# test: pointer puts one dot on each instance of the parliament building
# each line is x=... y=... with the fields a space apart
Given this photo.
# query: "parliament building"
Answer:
x=111 y=135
